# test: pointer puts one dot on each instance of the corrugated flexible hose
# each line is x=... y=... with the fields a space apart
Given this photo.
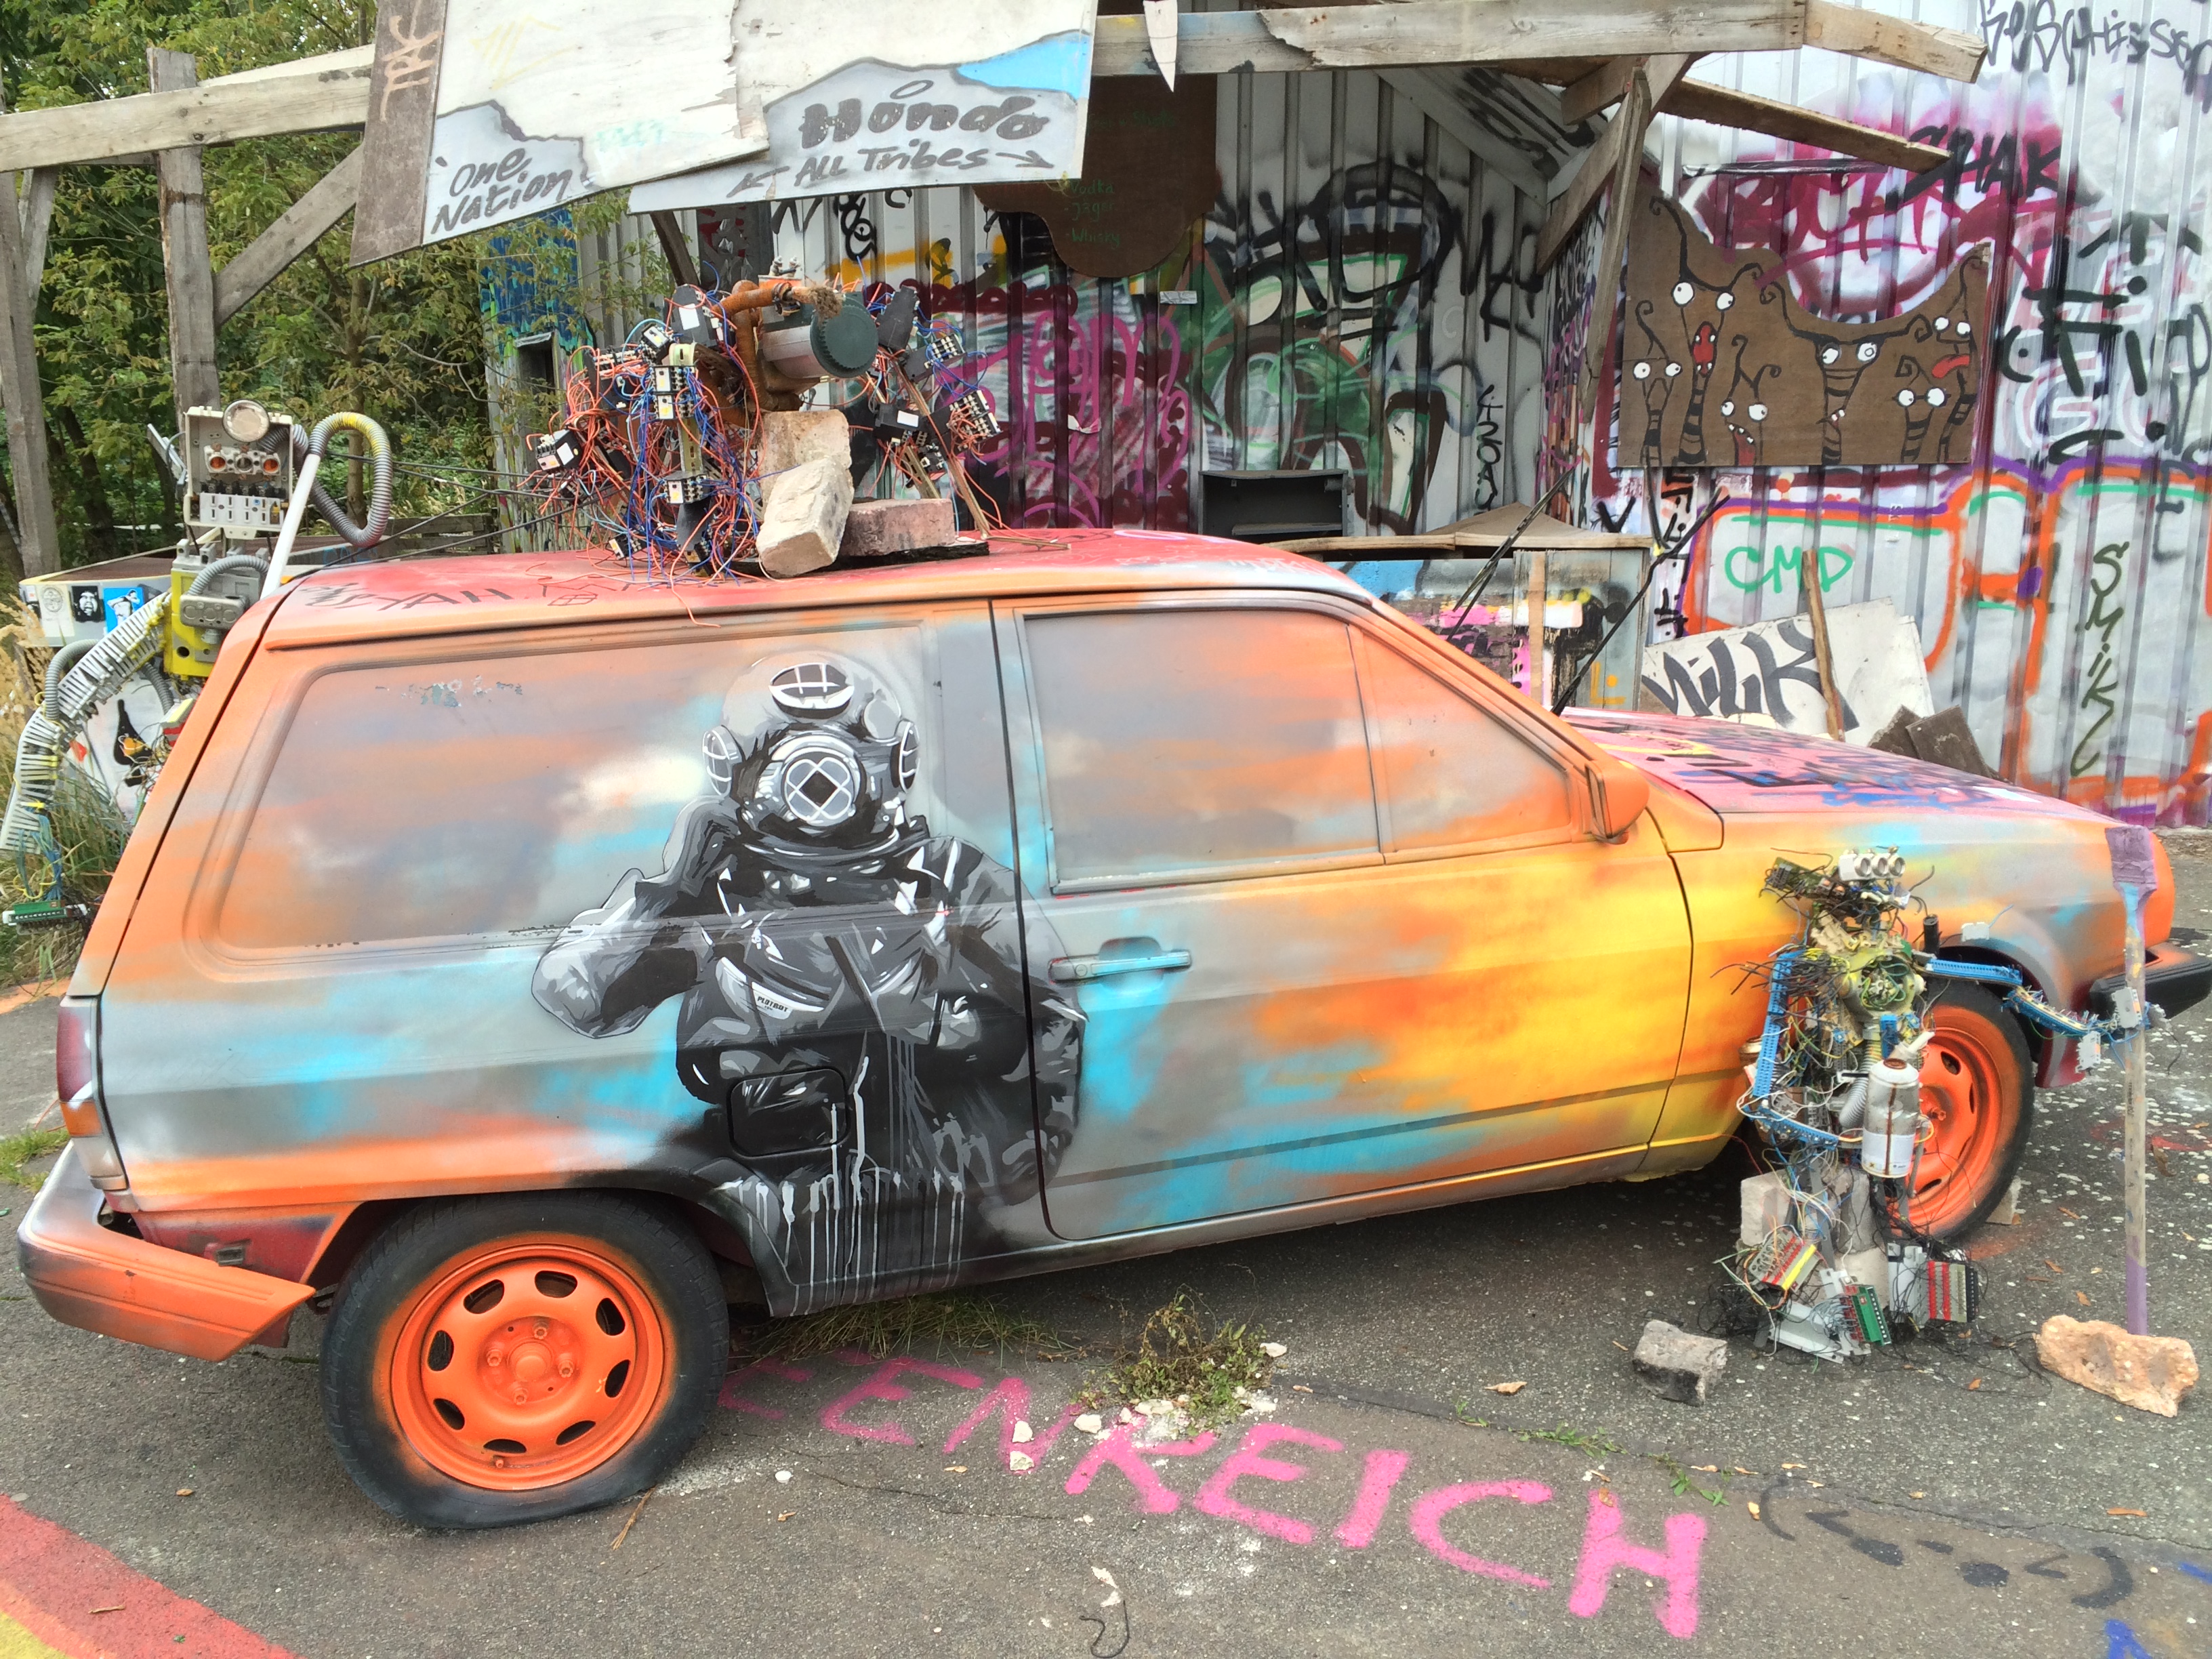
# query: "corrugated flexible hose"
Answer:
x=100 y=673
x=379 y=491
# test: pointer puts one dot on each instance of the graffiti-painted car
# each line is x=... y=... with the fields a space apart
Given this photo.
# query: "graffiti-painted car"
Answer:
x=530 y=958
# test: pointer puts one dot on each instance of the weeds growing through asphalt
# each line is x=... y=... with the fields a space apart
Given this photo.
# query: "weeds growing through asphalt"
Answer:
x=882 y=1328
x=20 y=1148
x=1174 y=1358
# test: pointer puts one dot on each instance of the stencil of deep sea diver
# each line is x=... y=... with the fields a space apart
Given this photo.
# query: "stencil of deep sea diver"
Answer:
x=853 y=1003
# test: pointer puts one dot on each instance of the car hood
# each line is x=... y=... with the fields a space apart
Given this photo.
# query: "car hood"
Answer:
x=1736 y=769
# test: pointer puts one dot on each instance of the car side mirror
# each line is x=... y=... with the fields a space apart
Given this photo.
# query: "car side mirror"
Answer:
x=1619 y=793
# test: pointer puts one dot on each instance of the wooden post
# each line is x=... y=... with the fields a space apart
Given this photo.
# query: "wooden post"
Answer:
x=184 y=252
x=1540 y=679
x=675 y=249
x=1816 y=607
x=35 y=531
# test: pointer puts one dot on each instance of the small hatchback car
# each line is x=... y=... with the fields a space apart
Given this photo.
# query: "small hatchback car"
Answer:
x=531 y=957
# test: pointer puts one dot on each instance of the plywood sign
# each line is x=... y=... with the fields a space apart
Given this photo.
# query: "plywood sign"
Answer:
x=1148 y=171
x=485 y=111
x=1770 y=672
x=1721 y=366
x=972 y=95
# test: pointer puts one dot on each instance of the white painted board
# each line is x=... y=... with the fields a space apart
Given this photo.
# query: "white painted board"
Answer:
x=539 y=106
x=1769 y=672
x=988 y=91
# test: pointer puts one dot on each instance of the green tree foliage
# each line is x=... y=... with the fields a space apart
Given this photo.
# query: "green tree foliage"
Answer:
x=402 y=341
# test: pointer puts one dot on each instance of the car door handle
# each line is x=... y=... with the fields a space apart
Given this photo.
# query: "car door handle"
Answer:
x=1069 y=970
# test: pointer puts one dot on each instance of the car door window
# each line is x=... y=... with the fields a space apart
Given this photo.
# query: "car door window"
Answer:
x=1451 y=774
x=1192 y=742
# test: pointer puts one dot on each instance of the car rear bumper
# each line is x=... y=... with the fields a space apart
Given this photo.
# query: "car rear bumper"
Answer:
x=2173 y=978
x=100 y=1279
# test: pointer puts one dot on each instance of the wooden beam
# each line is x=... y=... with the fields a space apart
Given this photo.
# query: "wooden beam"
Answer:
x=1605 y=85
x=674 y=248
x=312 y=95
x=298 y=229
x=184 y=252
x=36 y=531
x=1410 y=31
x=1698 y=101
x=1600 y=165
x=38 y=219
x=1653 y=80
x=1887 y=39
x=1420 y=88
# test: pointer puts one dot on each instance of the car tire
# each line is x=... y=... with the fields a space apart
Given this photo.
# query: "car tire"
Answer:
x=492 y=1360
x=1977 y=1093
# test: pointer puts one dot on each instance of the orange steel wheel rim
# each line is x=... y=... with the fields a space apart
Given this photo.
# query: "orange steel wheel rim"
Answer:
x=527 y=1363
x=1968 y=1091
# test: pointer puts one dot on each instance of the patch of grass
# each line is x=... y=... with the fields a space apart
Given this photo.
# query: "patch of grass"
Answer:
x=20 y=1148
x=1684 y=1486
x=882 y=1329
x=1574 y=1439
x=1175 y=1359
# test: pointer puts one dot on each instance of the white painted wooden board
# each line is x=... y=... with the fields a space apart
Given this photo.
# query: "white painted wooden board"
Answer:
x=990 y=91
x=1768 y=671
x=537 y=107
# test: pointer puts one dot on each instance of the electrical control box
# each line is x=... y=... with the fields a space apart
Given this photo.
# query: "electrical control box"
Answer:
x=198 y=624
x=238 y=472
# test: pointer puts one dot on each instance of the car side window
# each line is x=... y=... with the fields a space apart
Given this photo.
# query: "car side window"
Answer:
x=1199 y=742
x=1448 y=772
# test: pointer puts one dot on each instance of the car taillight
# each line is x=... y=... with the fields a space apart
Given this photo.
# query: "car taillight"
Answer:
x=76 y=1079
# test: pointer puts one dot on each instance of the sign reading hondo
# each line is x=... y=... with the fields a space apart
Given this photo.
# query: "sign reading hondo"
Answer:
x=873 y=124
x=486 y=111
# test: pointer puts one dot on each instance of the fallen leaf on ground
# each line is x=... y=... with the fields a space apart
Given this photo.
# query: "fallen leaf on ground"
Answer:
x=1793 y=1466
x=117 y=1608
x=2082 y=1297
x=2062 y=1210
x=2096 y=1270
x=1916 y=1494
x=1739 y=1469
x=1754 y=1508
x=956 y=1469
x=1971 y=1385
x=786 y=1514
x=1623 y=1347
x=1706 y=1469
x=2137 y=1514
x=1300 y=1388
x=184 y=1491
x=1507 y=1387
x=2053 y=1266
x=1816 y=1483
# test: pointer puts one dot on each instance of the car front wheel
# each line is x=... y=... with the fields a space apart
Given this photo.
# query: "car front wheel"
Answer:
x=511 y=1358
x=1978 y=1094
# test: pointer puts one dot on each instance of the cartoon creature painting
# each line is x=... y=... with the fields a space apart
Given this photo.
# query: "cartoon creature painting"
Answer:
x=853 y=993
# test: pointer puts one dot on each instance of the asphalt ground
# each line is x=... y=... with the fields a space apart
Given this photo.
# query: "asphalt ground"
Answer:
x=1933 y=1495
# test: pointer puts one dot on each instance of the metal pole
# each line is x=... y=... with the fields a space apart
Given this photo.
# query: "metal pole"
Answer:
x=2135 y=872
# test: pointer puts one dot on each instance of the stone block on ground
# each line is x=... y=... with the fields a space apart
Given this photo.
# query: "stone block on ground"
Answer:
x=791 y=437
x=874 y=530
x=803 y=516
x=1678 y=1365
x=2151 y=1373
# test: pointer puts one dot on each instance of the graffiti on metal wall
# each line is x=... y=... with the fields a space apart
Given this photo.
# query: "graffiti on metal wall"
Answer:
x=2057 y=569
x=852 y=993
x=1368 y=324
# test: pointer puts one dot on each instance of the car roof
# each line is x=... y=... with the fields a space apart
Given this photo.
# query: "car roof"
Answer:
x=404 y=598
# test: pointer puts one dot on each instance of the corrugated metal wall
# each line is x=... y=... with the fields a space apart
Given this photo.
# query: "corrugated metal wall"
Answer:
x=1358 y=308
x=2059 y=582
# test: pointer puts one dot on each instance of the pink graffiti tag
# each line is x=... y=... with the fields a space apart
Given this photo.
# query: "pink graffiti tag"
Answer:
x=732 y=1401
x=1604 y=1550
x=1381 y=1474
x=1430 y=1508
x=881 y=1385
x=1217 y=1497
x=1116 y=1449
x=1011 y=1400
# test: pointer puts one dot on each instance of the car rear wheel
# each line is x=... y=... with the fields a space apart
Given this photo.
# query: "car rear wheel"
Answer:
x=511 y=1359
x=1977 y=1093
